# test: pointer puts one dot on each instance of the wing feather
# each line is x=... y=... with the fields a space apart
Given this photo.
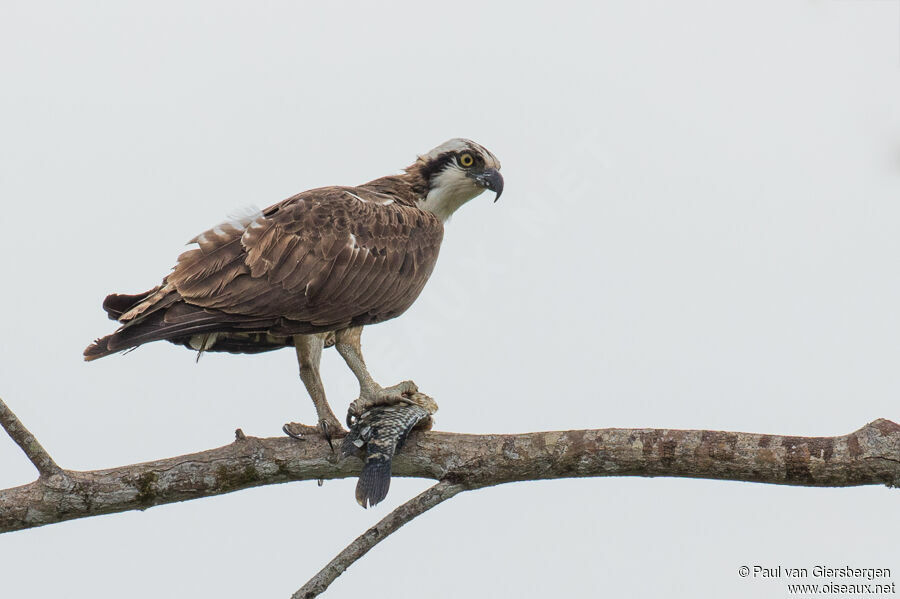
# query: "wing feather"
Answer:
x=344 y=265
x=323 y=257
x=323 y=260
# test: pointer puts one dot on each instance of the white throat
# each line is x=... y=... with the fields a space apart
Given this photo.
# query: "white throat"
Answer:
x=450 y=190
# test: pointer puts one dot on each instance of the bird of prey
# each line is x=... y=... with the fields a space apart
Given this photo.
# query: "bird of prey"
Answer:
x=310 y=272
x=378 y=433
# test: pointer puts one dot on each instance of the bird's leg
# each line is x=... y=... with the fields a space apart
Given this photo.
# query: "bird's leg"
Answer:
x=309 y=354
x=371 y=393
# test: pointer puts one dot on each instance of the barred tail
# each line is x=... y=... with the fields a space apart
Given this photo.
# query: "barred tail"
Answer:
x=374 y=480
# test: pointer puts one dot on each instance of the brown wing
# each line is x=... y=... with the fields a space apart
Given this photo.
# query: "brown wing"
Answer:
x=322 y=260
x=329 y=257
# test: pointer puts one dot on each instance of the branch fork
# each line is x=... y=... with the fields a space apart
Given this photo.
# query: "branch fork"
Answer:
x=459 y=462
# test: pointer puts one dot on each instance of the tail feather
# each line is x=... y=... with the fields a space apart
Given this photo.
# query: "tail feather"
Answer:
x=177 y=322
x=374 y=481
x=156 y=328
x=117 y=304
x=98 y=349
x=161 y=314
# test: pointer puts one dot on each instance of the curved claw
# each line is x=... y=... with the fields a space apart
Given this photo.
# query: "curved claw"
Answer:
x=323 y=425
x=287 y=431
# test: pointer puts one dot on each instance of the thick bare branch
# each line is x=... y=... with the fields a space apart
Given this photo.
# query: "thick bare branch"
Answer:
x=24 y=439
x=868 y=456
x=416 y=506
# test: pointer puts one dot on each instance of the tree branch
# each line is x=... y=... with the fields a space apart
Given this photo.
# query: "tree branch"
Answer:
x=416 y=506
x=25 y=440
x=868 y=456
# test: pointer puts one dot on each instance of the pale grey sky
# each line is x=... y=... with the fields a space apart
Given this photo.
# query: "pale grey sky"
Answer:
x=699 y=230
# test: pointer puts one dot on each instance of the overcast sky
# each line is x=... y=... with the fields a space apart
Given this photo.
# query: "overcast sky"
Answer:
x=699 y=230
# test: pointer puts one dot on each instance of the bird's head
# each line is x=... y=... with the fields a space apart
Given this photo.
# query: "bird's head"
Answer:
x=455 y=172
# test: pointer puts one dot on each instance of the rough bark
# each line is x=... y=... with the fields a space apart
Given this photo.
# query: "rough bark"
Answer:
x=868 y=456
x=26 y=442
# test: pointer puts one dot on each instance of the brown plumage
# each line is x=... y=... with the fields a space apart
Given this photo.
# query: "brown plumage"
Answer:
x=322 y=260
x=310 y=272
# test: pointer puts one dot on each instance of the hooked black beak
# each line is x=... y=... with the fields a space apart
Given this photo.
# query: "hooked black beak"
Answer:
x=490 y=178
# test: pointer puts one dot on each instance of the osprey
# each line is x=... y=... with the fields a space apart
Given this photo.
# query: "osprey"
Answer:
x=310 y=272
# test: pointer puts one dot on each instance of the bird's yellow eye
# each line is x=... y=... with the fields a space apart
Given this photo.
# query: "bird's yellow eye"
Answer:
x=466 y=160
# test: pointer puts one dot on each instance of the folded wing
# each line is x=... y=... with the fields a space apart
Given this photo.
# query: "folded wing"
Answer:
x=322 y=260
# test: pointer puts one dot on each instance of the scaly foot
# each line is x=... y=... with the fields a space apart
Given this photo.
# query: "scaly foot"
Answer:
x=381 y=396
x=329 y=428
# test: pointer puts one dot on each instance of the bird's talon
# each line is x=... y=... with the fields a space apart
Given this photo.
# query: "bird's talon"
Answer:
x=352 y=417
x=405 y=388
x=298 y=431
x=326 y=432
x=290 y=433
